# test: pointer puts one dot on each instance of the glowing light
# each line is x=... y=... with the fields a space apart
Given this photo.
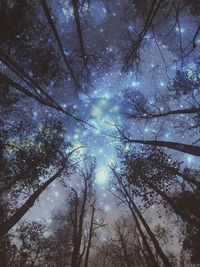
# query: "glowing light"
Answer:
x=135 y=83
x=167 y=135
x=181 y=30
x=126 y=148
x=114 y=109
x=64 y=105
x=107 y=95
x=101 y=151
x=56 y=194
x=107 y=208
x=96 y=112
x=76 y=136
x=189 y=159
x=102 y=102
x=68 y=12
x=162 y=83
x=102 y=175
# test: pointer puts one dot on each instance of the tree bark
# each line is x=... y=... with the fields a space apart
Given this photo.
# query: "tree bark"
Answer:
x=133 y=206
x=189 y=149
x=77 y=242
x=152 y=236
x=188 y=179
x=171 y=112
x=56 y=35
x=90 y=238
x=39 y=99
x=7 y=225
x=78 y=27
x=146 y=244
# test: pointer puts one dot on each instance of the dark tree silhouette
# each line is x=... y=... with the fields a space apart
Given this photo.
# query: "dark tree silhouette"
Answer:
x=127 y=198
x=189 y=149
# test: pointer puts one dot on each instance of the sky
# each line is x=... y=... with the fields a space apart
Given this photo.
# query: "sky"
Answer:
x=103 y=103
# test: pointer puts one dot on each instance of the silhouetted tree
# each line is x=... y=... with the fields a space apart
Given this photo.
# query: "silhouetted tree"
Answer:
x=81 y=217
x=126 y=195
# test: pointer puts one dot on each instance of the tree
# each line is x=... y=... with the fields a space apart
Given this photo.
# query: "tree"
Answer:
x=80 y=217
x=185 y=148
x=122 y=246
x=152 y=176
x=183 y=84
x=127 y=197
x=189 y=201
x=28 y=157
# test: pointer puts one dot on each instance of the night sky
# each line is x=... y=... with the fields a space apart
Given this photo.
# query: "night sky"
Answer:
x=109 y=31
x=104 y=102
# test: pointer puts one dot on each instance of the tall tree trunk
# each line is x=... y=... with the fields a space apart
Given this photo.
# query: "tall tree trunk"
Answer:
x=152 y=236
x=18 y=70
x=4 y=78
x=187 y=178
x=133 y=206
x=155 y=6
x=90 y=238
x=192 y=110
x=125 y=253
x=74 y=258
x=56 y=35
x=78 y=27
x=189 y=149
x=7 y=225
x=148 y=248
x=77 y=245
x=39 y=99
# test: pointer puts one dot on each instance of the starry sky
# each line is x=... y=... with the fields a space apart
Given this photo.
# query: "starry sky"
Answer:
x=108 y=29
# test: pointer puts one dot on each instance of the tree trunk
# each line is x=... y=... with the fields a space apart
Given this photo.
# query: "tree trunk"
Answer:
x=7 y=225
x=78 y=27
x=152 y=236
x=172 y=112
x=56 y=35
x=18 y=70
x=146 y=244
x=189 y=149
x=133 y=206
x=39 y=99
x=23 y=90
x=90 y=238
x=76 y=252
x=188 y=179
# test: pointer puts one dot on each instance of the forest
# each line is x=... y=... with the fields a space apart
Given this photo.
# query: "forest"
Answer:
x=99 y=133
